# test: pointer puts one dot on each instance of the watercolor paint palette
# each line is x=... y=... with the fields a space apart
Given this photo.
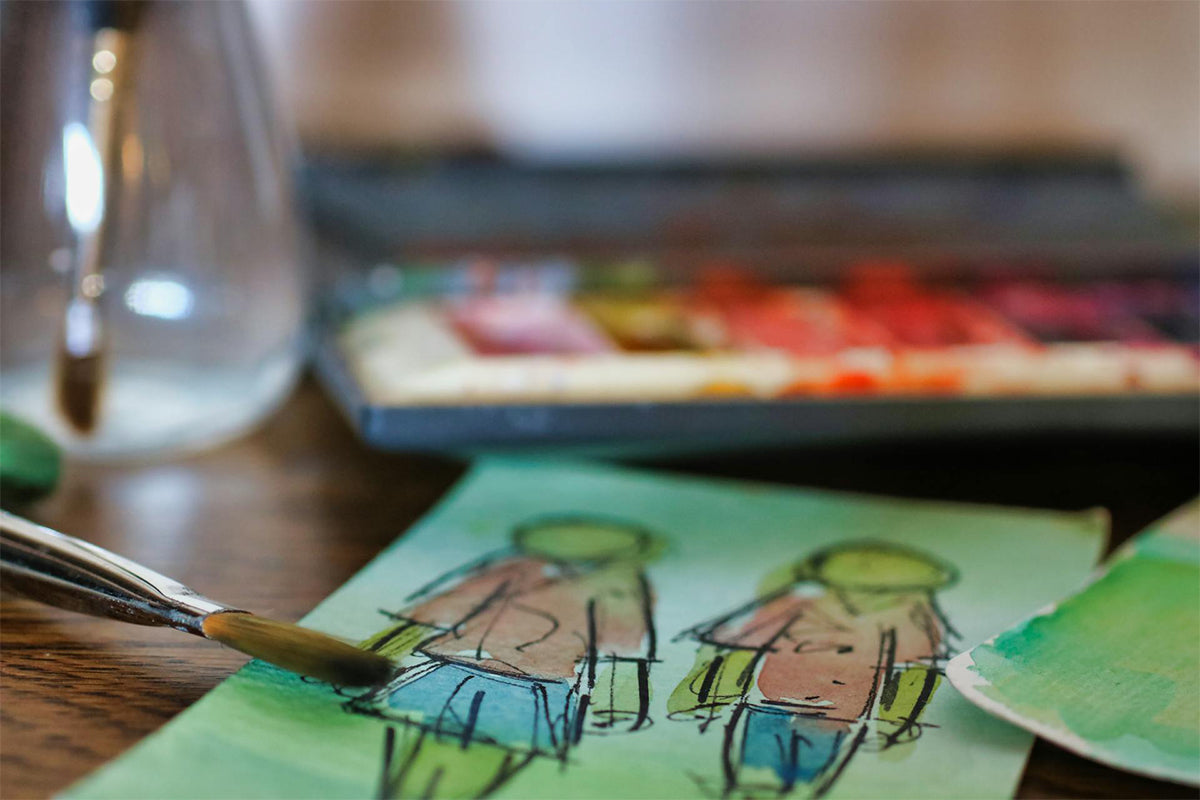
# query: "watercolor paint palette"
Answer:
x=558 y=352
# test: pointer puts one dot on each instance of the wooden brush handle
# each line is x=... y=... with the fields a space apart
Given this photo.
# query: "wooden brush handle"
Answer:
x=69 y=573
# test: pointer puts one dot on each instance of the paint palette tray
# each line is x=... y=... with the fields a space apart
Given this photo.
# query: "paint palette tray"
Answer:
x=484 y=354
x=1036 y=294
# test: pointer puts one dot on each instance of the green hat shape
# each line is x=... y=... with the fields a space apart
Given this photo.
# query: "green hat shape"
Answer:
x=584 y=539
x=877 y=567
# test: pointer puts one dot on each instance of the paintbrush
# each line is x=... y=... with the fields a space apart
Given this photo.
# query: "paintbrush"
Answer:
x=91 y=161
x=69 y=573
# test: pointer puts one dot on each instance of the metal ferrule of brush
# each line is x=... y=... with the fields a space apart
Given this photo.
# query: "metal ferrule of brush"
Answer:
x=66 y=572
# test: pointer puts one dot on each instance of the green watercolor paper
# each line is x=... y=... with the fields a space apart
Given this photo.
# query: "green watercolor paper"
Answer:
x=1113 y=672
x=584 y=631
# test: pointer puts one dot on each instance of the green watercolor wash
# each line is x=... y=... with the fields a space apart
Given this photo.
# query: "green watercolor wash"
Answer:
x=727 y=682
x=909 y=687
x=1116 y=665
x=446 y=769
x=617 y=696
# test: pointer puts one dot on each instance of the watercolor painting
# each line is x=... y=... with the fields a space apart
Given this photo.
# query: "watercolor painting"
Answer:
x=845 y=655
x=1110 y=673
x=556 y=629
x=515 y=656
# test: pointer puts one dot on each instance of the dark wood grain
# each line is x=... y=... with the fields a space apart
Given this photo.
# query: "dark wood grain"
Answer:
x=278 y=520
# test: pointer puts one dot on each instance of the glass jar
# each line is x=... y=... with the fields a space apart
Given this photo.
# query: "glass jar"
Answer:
x=198 y=285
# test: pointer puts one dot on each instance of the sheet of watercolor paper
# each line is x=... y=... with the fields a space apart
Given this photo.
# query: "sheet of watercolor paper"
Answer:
x=590 y=632
x=1112 y=673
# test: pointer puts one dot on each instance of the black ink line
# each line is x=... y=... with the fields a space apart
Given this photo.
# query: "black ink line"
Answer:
x=506 y=771
x=542 y=701
x=479 y=609
x=431 y=787
x=448 y=703
x=835 y=752
x=402 y=770
x=708 y=627
x=472 y=718
x=643 y=695
x=399 y=629
x=887 y=641
x=825 y=787
x=648 y=616
x=385 y=782
x=710 y=675
x=794 y=759
x=554 y=625
x=727 y=748
x=491 y=624
x=591 y=642
x=931 y=678
x=951 y=631
x=462 y=571
x=612 y=687
x=568 y=723
x=580 y=713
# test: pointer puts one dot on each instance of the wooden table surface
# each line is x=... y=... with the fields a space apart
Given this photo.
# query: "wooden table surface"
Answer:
x=276 y=521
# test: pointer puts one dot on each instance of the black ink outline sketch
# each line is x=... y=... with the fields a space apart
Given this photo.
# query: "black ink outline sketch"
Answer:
x=487 y=699
x=772 y=746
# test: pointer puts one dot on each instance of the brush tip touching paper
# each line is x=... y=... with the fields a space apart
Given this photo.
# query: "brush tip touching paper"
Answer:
x=297 y=649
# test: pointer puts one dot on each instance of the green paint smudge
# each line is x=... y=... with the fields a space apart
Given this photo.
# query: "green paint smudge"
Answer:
x=1116 y=665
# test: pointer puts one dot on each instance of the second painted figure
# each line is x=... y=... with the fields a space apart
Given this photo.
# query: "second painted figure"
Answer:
x=843 y=656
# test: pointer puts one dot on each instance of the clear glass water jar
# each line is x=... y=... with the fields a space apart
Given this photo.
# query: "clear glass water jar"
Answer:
x=197 y=283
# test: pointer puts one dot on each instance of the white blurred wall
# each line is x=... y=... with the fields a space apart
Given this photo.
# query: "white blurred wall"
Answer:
x=647 y=78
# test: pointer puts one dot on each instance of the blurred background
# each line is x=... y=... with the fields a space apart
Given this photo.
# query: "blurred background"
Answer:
x=1037 y=165
x=644 y=80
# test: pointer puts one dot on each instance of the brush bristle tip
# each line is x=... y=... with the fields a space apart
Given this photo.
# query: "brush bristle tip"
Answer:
x=297 y=649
